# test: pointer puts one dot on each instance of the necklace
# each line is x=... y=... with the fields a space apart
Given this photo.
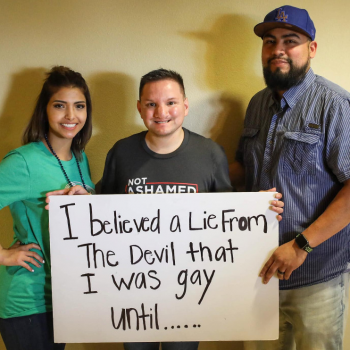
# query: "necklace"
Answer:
x=61 y=165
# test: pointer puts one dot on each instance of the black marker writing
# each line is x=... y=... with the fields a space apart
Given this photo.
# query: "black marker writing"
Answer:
x=138 y=254
x=88 y=275
x=132 y=317
x=183 y=279
x=243 y=222
x=205 y=251
x=139 y=280
x=68 y=221
x=98 y=252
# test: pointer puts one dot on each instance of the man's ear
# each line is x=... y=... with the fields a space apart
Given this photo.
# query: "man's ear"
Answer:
x=312 y=49
x=139 y=106
x=186 y=106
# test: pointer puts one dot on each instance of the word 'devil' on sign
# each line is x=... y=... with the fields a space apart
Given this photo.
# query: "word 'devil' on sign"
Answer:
x=176 y=267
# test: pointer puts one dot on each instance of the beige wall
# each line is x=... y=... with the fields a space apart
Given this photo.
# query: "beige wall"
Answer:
x=113 y=42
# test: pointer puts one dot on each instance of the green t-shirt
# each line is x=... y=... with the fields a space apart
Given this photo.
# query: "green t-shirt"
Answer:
x=26 y=175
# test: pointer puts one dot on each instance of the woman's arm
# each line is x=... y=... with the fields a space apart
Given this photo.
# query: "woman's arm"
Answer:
x=13 y=168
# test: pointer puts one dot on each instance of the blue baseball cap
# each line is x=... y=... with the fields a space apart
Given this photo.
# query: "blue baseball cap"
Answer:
x=287 y=17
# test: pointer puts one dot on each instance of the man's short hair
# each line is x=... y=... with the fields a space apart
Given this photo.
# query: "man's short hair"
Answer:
x=161 y=74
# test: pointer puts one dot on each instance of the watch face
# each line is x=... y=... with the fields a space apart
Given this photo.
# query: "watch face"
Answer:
x=302 y=242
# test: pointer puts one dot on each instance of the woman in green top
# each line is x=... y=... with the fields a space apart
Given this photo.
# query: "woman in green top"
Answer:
x=52 y=157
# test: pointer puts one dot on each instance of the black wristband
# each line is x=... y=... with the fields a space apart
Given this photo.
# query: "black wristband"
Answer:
x=303 y=243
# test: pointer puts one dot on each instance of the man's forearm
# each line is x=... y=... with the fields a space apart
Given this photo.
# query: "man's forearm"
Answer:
x=334 y=218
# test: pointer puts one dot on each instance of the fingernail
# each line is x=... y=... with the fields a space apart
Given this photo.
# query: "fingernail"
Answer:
x=32 y=270
x=43 y=261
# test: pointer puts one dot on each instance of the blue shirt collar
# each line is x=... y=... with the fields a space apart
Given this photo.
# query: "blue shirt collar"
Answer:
x=291 y=96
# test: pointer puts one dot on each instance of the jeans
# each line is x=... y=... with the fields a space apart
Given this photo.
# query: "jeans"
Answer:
x=186 y=345
x=29 y=332
x=313 y=317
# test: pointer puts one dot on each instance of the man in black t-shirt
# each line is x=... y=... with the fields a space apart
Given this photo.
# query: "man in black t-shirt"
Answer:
x=167 y=158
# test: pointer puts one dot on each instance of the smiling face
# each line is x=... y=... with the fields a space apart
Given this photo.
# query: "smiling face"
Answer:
x=66 y=113
x=286 y=57
x=163 y=107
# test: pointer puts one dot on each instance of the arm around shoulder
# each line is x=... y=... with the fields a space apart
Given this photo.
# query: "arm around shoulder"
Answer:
x=221 y=179
x=237 y=175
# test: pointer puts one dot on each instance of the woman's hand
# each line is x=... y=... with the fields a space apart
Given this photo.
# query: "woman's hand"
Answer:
x=276 y=206
x=20 y=255
x=75 y=190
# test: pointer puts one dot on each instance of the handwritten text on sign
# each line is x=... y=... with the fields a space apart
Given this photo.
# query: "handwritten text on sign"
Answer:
x=175 y=267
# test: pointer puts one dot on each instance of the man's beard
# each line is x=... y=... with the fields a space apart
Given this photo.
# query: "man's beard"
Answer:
x=278 y=81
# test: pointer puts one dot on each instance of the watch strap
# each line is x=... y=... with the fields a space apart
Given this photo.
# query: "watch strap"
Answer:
x=303 y=243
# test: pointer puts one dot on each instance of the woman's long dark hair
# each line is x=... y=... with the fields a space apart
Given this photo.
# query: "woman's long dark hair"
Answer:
x=57 y=78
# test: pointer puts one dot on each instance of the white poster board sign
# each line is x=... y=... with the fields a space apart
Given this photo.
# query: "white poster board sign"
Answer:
x=177 y=267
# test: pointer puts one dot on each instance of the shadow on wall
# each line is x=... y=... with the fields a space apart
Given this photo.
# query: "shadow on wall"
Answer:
x=229 y=67
x=19 y=104
x=114 y=109
x=18 y=107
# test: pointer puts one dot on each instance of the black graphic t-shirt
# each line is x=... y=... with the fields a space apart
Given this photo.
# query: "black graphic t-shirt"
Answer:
x=198 y=165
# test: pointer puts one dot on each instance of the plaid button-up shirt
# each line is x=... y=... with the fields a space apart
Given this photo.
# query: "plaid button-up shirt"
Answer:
x=301 y=146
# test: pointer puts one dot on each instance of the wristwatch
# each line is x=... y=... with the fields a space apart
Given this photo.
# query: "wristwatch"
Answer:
x=303 y=243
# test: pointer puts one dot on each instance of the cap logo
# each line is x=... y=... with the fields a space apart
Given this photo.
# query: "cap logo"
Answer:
x=281 y=16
